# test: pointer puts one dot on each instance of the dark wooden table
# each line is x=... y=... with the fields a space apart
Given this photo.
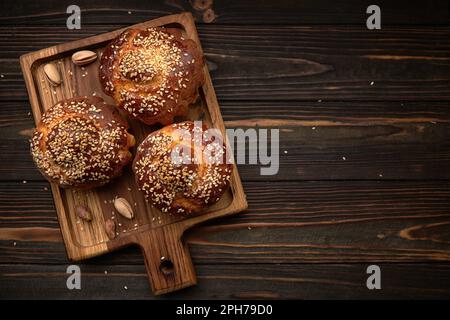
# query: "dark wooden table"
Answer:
x=364 y=174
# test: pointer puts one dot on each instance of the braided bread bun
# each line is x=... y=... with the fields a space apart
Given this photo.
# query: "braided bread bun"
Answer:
x=152 y=74
x=180 y=171
x=81 y=142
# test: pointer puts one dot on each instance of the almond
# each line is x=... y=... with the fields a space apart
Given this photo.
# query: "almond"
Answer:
x=124 y=208
x=131 y=141
x=84 y=213
x=110 y=228
x=52 y=74
x=84 y=57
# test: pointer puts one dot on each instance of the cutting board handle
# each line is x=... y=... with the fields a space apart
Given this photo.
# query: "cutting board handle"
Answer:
x=168 y=262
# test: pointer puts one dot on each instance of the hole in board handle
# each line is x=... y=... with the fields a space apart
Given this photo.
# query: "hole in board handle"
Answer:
x=166 y=267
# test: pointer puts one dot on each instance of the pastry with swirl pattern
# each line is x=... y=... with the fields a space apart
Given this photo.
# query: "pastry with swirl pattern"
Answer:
x=152 y=74
x=81 y=142
x=180 y=170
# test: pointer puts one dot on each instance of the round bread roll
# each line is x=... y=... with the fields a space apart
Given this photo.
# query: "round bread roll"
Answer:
x=152 y=74
x=180 y=170
x=81 y=142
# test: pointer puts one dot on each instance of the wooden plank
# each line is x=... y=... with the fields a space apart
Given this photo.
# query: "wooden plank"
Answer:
x=288 y=62
x=247 y=281
x=228 y=12
x=318 y=140
x=302 y=222
x=157 y=234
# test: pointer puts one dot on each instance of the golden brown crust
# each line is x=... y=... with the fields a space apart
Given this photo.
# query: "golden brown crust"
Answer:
x=182 y=187
x=152 y=74
x=81 y=142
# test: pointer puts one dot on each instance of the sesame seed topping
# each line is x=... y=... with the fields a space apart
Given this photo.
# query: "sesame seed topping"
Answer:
x=195 y=177
x=145 y=71
x=75 y=145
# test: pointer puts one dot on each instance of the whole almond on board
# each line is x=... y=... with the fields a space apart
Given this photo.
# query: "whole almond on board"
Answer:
x=124 y=208
x=110 y=228
x=84 y=57
x=84 y=213
x=52 y=74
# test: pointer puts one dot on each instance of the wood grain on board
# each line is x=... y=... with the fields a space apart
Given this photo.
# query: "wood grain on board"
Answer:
x=318 y=140
x=246 y=281
x=399 y=12
x=286 y=222
x=300 y=63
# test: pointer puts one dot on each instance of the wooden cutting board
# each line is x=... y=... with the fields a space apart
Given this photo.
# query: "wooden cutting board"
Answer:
x=159 y=235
